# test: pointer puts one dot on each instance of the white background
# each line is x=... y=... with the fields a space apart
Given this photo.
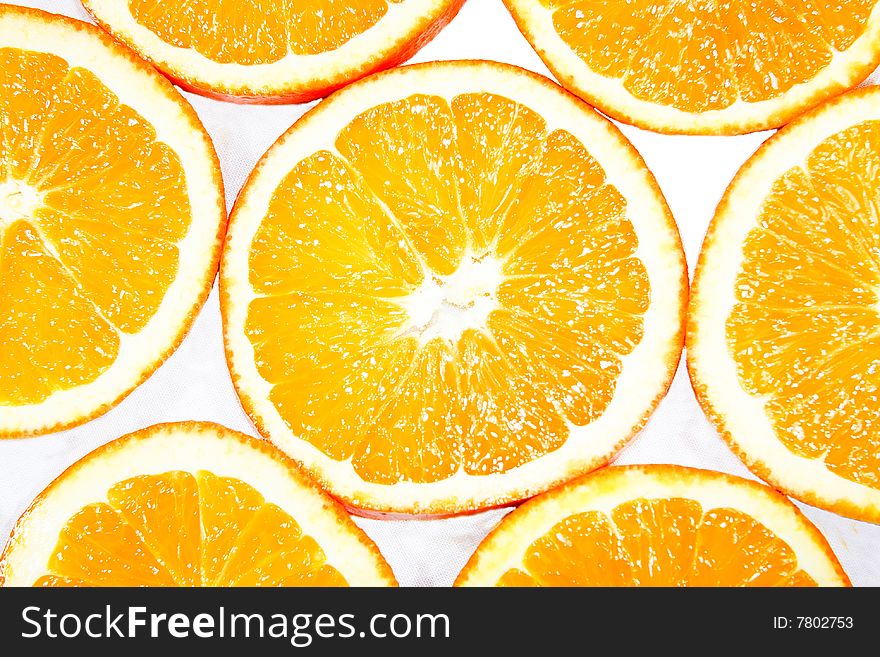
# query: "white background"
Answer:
x=194 y=383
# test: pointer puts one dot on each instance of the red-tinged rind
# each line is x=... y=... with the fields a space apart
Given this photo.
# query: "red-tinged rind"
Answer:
x=398 y=50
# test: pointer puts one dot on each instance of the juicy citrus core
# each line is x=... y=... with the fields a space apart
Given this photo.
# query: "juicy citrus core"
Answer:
x=18 y=200
x=448 y=306
x=432 y=282
x=435 y=359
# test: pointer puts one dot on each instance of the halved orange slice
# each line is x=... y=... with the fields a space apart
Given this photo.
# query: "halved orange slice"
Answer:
x=784 y=338
x=450 y=286
x=704 y=66
x=111 y=220
x=655 y=525
x=188 y=504
x=271 y=51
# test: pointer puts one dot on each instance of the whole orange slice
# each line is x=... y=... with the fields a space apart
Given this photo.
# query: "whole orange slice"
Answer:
x=111 y=220
x=784 y=338
x=704 y=66
x=450 y=286
x=655 y=525
x=271 y=51
x=188 y=504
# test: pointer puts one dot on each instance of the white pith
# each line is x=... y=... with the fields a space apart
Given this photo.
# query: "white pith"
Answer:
x=18 y=200
x=446 y=306
x=609 y=94
x=189 y=450
x=602 y=492
x=712 y=365
x=646 y=370
x=138 y=353
x=293 y=72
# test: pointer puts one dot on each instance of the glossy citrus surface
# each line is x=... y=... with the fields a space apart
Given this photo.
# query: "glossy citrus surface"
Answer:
x=360 y=378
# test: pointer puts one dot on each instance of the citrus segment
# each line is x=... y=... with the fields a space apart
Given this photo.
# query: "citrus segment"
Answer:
x=110 y=210
x=252 y=522
x=802 y=331
x=703 y=67
x=406 y=153
x=655 y=526
x=289 y=51
x=97 y=547
x=22 y=106
x=452 y=290
x=497 y=142
x=360 y=245
x=53 y=336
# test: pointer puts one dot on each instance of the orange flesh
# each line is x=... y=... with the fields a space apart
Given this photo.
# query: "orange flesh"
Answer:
x=260 y=31
x=91 y=210
x=177 y=529
x=703 y=55
x=659 y=542
x=805 y=330
x=419 y=190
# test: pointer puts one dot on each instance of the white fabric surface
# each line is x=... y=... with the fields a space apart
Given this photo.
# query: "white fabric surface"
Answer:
x=194 y=383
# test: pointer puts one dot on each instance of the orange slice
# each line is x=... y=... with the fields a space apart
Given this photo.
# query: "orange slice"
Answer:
x=188 y=504
x=271 y=51
x=451 y=286
x=655 y=525
x=784 y=342
x=111 y=218
x=704 y=66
